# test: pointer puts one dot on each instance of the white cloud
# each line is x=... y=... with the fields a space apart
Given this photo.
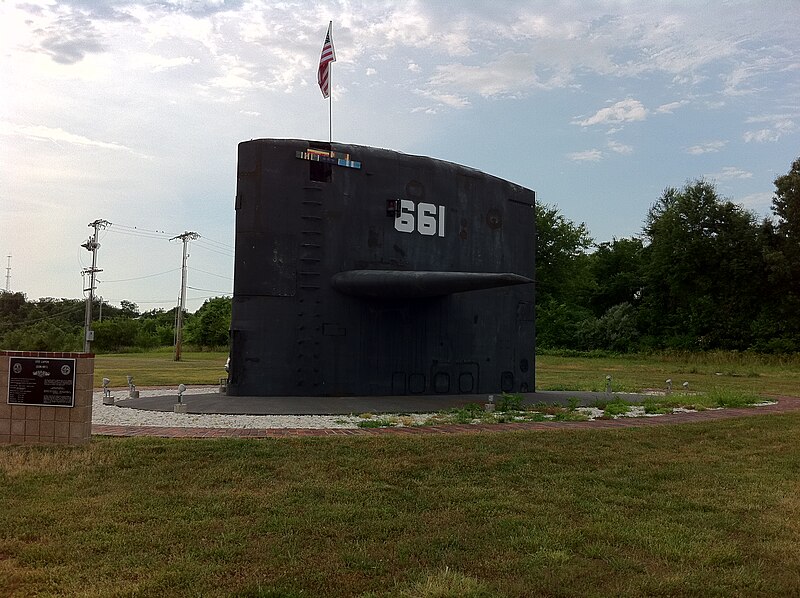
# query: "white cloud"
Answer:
x=780 y=126
x=57 y=135
x=730 y=173
x=761 y=136
x=414 y=67
x=160 y=64
x=706 y=148
x=371 y=71
x=671 y=107
x=592 y=155
x=619 y=148
x=424 y=110
x=757 y=201
x=769 y=118
x=447 y=99
x=624 y=111
x=511 y=74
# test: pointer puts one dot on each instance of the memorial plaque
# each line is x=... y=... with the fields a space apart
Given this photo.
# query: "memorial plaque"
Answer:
x=41 y=381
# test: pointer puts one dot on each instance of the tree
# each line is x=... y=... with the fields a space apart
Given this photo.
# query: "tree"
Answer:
x=128 y=309
x=786 y=203
x=210 y=325
x=778 y=327
x=563 y=278
x=617 y=270
x=704 y=274
x=115 y=334
x=561 y=262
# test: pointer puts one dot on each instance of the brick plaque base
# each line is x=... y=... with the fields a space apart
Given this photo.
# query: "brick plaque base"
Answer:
x=29 y=390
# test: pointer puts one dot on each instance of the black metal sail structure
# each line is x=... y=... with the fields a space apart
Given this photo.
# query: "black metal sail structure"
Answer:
x=367 y=272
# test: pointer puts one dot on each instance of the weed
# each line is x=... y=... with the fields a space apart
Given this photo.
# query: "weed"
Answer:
x=509 y=402
x=573 y=403
x=653 y=407
x=570 y=416
x=551 y=409
x=535 y=416
x=730 y=398
x=616 y=407
x=463 y=415
x=447 y=584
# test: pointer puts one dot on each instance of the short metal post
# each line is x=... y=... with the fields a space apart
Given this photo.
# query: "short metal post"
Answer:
x=107 y=398
x=180 y=406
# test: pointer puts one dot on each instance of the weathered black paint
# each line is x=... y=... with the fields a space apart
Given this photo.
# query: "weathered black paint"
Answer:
x=330 y=299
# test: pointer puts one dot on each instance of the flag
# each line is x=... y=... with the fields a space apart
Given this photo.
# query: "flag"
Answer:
x=324 y=72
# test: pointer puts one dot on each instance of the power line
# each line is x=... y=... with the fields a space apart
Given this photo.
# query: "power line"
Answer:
x=139 y=231
x=212 y=249
x=209 y=290
x=210 y=273
x=213 y=242
x=143 y=277
x=203 y=297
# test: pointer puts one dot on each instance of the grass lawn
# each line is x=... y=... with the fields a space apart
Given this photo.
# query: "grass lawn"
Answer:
x=158 y=368
x=684 y=510
x=703 y=371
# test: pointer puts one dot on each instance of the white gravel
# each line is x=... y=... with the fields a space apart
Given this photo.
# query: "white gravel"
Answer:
x=125 y=416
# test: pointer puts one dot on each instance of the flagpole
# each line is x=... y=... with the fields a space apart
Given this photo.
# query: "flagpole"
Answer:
x=324 y=75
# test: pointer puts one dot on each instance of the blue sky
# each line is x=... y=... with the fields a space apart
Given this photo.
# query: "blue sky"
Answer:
x=131 y=112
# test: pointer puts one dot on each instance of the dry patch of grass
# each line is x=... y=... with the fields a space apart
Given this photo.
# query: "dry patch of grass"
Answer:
x=19 y=461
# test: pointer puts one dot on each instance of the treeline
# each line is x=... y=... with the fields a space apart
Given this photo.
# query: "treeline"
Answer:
x=57 y=325
x=704 y=274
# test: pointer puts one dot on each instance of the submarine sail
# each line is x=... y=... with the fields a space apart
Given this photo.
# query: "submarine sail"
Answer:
x=367 y=272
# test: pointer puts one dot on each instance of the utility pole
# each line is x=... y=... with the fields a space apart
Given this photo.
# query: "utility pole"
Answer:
x=91 y=245
x=8 y=275
x=185 y=237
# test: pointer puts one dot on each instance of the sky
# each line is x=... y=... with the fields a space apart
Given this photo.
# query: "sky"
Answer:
x=130 y=112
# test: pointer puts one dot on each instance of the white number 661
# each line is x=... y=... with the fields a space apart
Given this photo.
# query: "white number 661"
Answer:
x=426 y=218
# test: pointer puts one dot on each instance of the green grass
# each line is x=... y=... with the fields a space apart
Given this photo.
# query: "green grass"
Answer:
x=770 y=374
x=158 y=368
x=684 y=510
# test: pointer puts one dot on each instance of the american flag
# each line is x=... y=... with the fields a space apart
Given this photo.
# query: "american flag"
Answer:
x=328 y=55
